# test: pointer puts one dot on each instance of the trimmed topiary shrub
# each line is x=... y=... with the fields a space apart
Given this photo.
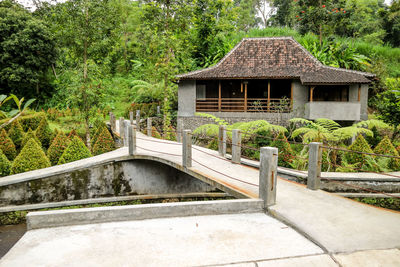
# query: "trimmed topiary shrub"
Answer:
x=75 y=150
x=361 y=145
x=386 y=147
x=155 y=133
x=43 y=132
x=30 y=134
x=7 y=145
x=16 y=133
x=104 y=143
x=31 y=121
x=99 y=130
x=5 y=165
x=57 y=148
x=31 y=158
x=285 y=152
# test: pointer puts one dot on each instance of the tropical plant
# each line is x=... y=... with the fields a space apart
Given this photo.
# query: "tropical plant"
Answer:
x=285 y=152
x=7 y=145
x=5 y=165
x=75 y=150
x=385 y=147
x=14 y=113
x=325 y=131
x=359 y=145
x=219 y=121
x=146 y=92
x=31 y=158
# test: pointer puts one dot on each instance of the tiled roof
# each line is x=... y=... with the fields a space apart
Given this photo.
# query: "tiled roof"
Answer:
x=277 y=57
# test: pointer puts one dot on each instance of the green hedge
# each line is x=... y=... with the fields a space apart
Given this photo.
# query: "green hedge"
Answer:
x=7 y=145
x=57 y=148
x=16 y=133
x=104 y=142
x=285 y=152
x=360 y=145
x=28 y=121
x=5 y=165
x=30 y=134
x=386 y=147
x=31 y=158
x=75 y=150
x=44 y=133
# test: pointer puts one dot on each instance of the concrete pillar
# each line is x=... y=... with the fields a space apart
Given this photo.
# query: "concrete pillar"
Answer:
x=131 y=117
x=149 y=126
x=132 y=140
x=179 y=128
x=112 y=122
x=138 y=120
x=222 y=141
x=158 y=110
x=127 y=124
x=314 y=165
x=236 y=143
x=121 y=127
x=187 y=149
x=268 y=175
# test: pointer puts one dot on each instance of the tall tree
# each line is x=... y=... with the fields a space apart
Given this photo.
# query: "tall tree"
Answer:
x=27 y=52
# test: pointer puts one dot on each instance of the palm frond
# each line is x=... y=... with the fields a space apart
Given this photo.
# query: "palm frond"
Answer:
x=372 y=123
x=328 y=124
x=348 y=132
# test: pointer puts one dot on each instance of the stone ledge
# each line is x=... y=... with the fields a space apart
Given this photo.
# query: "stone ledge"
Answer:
x=45 y=219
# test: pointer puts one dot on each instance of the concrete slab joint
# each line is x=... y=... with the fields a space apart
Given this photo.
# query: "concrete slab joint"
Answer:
x=268 y=175
x=187 y=149
x=314 y=166
x=236 y=145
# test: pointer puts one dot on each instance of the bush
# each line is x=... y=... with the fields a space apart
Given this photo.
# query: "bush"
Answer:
x=57 y=148
x=30 y=134
x=285 y=152
x=155 y=133
x=5 y=165
x=359 y=145
x=75 y=150
x=105 y=142
x=43 y=132
x=7 y=145
x=16 y=133
x=98 y=131
x=31 y=158
x=386 y=147
x=32 y=120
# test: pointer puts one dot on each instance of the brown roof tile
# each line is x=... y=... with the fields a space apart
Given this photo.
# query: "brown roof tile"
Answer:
x=277 y=57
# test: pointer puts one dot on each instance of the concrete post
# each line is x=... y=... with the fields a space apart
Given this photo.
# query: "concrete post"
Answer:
x=112 y=122
x=236 y=143
x=158 y=110
x=127 y=124
x=149 y=127
x=121 y=127
x=314 y=165
x=132 y=140
x=131 y=117
x=222 y=141
x=268 y=175
x=187 y=149
x=138 y=120
x=179 y=128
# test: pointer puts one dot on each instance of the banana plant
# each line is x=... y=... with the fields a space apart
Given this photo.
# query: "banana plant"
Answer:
x=16 y=112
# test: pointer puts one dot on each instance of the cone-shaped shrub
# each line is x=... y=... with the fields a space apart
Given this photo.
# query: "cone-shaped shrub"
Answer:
x=359 y=145
x=43 y=132
x=30 y=134
x=155 y=133
x=31 y=158
x=75 y=150
x=386 y=147
x=104 y=143
x=5 y=165
x=57 y=148
x=16 y=133
x=7 y=145
x=99 y=130
x=72 y=134
x=54 y=135
x=285 y=152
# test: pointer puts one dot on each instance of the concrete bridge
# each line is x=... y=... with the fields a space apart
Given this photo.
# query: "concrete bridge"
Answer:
x=304 y=227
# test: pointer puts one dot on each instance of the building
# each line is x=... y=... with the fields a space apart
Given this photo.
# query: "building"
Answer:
x=274 y=79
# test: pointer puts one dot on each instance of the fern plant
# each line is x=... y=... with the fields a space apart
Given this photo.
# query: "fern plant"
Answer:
x=214 y=118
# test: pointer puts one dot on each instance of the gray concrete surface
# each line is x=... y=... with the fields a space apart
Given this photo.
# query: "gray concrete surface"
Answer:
x=188 y=241
x=186 y=98
x=337 y=111
x=387 y=258
x=43 y=219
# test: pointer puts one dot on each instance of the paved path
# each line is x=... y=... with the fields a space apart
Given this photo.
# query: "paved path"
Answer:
x=336 y=224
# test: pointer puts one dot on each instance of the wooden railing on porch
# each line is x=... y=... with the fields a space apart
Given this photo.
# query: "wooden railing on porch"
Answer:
x=240 y=105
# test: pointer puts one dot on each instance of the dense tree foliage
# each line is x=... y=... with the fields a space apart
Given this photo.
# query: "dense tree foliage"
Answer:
x=27 y=52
